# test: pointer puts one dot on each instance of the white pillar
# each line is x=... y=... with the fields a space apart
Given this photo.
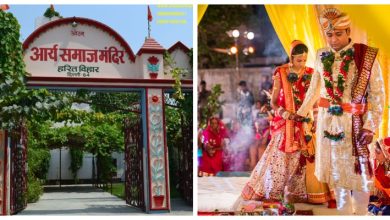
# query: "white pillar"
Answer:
x=157 y=151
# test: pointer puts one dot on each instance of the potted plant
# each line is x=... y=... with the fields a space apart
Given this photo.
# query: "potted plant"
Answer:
x=153 y=75
x=158 y=198
x=158 y=181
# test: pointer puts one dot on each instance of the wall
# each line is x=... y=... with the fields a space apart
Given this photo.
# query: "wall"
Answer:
x=182 y=61
x=85 y=172
x=229 y=79
x=94 y=38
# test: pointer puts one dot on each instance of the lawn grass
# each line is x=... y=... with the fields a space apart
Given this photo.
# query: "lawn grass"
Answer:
x=118 y=190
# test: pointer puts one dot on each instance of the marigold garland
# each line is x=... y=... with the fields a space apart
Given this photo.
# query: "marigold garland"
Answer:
x=327 y=58
x=294 y=79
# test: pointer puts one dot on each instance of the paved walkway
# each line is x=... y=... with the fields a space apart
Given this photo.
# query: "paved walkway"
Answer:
x=88 y=200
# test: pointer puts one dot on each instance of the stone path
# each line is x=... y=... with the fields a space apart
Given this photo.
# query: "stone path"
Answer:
x=88 y=200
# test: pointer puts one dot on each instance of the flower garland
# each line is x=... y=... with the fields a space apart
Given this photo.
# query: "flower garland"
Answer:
x=334 y=137
x=336 y=94
x=293 y=79
x=335 y=110
x=327 y=59
x=308 y=138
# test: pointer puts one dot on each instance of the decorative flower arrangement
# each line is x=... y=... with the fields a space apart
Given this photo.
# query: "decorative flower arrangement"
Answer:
x=335 y=110
x=153 y=60
x=327 y=59
x=285 y=208
x=305 y=82
x=153 y=66
x=292 y=77
x=334 y=137
x=308 y=138
x=306 y=77
x=155 y=98
x=335 y=89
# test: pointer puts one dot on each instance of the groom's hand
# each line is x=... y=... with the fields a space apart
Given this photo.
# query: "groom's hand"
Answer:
x=366 y=136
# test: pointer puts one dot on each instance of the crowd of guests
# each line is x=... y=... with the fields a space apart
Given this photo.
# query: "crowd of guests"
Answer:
x=237 y=144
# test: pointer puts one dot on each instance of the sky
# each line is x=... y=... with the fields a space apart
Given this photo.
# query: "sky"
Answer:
x=171 y=23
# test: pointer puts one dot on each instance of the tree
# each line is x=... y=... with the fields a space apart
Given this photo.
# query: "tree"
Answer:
x=212 y=33
x=17 y=104
x=218 y=20
x=213 y=107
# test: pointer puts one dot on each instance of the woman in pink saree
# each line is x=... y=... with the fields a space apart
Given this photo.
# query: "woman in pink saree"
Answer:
x=213 y=144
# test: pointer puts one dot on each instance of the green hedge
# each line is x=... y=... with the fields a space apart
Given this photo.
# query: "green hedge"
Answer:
x=38 y=166
x=38 y=162
x=34 y=189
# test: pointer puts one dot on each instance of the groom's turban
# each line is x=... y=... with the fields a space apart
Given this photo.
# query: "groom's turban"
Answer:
x=331 y=19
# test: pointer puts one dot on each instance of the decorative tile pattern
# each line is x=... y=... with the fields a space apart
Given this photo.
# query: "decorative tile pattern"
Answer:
x=157 y=163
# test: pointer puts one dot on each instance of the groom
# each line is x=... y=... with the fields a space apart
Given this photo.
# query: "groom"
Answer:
x=348 y=86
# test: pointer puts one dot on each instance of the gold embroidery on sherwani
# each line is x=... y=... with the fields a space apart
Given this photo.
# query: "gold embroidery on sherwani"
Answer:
x=358 y=96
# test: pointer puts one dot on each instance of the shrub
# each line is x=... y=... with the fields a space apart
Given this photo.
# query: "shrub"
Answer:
x=38 y=162
x=76 y=162
x=34 y=189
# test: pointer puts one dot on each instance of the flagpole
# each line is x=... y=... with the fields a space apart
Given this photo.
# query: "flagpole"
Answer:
x=150 y=18
x=148 y=28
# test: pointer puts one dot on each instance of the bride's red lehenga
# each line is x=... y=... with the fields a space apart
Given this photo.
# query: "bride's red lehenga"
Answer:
x=282 y=168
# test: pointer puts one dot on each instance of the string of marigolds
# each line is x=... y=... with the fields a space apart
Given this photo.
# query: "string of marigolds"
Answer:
x=327 y=58
x=293 y=79
x=335 y=94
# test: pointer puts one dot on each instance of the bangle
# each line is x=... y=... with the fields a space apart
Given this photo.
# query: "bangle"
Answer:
x=286 y=115
x=280 y=111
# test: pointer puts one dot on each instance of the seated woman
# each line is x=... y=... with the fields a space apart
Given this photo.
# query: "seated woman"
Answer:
x=380 y=200
x=213 y=144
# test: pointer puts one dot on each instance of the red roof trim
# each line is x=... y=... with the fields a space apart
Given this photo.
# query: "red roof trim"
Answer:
x=151 y=51
x=79 y=20
x=179 y=45
x=104 y=80
x=151 y=46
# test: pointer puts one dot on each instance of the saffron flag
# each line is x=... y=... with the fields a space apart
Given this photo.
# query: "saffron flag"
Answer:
x=150 y=17
x=4 y=7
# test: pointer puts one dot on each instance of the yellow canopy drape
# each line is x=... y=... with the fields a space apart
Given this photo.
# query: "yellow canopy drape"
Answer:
x=373 y=19
x=201 y=10
x=299 y=22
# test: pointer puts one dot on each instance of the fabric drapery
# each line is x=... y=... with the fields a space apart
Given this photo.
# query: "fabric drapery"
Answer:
x=297 y=22
x=201 y=10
